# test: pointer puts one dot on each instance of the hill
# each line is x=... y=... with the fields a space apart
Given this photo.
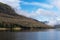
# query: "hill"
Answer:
x=57 y=26
x=9 y=18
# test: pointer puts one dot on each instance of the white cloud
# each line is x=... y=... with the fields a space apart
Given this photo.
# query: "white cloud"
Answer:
x=13 y=3
x=24 y=13
x=49 y=15
x=52 y=22
x=46 y=12
x=52 y=14
x=55 y=3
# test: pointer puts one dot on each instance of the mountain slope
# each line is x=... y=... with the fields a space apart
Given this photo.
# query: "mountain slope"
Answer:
x=9 y=18
x=57 y=26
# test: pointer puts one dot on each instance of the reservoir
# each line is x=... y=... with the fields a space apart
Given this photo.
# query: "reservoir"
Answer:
x=50 y=34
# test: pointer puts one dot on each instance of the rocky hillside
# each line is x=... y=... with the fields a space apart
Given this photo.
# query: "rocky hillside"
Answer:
x=9 y=18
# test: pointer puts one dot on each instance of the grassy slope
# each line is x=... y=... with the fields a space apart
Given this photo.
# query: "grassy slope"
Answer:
x=8 y=15
x=27 y=22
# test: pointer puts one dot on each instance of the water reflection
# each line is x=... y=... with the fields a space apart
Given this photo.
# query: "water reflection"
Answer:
x=51 y=34
x=7 y=36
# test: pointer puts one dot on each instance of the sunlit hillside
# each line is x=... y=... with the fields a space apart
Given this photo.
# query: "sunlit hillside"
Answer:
x=9 y=18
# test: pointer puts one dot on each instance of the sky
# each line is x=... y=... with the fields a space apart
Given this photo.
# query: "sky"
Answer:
x=41 y=10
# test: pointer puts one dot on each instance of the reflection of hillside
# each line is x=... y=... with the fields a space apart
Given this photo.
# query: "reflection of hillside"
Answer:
x=7 y=36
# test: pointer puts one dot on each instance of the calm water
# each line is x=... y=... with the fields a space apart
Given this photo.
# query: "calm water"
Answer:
x=50 y=34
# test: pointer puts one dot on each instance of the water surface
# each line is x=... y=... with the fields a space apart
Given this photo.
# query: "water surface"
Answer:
x=50 y=34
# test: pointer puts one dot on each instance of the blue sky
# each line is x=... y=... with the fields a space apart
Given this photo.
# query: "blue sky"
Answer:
x=48 y=11
x=41 y=10
x=30 y=8
x=42 y=1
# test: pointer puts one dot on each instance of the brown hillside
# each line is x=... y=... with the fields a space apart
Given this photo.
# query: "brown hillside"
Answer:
x=8 y=16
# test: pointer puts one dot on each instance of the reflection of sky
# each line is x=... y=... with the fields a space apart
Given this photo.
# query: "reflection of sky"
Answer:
x=49 y=35
x=42 y=35
x=26 y=36
x=57 y=35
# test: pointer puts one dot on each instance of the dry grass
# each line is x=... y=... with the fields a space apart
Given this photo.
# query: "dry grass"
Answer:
x=9 y=16
x=25 y=22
